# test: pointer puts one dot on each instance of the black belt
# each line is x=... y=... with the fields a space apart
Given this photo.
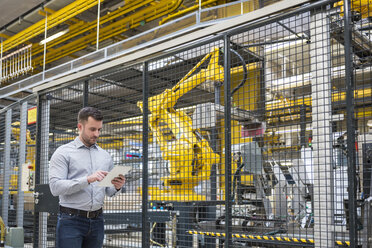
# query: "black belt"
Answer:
x=82 y=213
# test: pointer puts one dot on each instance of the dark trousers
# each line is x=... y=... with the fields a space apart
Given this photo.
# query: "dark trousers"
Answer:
x=79 y=232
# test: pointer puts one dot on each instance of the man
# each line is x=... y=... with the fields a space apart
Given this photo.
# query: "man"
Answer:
x=75 y=171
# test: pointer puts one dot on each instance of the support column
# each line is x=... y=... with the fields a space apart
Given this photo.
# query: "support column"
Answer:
x=320 y=60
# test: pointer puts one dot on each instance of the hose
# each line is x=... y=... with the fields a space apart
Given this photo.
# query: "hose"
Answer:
x=245 y=75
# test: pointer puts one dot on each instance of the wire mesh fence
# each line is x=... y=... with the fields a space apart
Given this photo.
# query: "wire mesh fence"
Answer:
x=18 y=167
x=258 y=137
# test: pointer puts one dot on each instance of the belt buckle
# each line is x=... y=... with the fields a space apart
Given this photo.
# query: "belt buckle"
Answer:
x=88 y=215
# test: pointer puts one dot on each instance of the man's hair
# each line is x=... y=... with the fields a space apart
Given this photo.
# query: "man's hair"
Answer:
x=87 y=112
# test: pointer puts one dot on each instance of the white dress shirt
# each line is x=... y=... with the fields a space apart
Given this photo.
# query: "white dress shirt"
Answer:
x=69 y=168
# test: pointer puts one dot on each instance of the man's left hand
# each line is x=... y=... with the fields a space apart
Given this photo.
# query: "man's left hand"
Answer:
x=118 y=182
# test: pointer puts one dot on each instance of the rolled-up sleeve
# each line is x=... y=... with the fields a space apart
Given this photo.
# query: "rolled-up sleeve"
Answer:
x=58 y=171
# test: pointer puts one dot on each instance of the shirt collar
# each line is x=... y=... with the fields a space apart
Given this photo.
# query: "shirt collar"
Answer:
x=80 y=144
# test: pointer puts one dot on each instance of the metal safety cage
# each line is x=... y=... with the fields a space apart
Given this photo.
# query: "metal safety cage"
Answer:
x=352 y=102
x=56 y=125
x=115 y=94
x=184 y=173
x=9 y=167
x=17 y=169
x=274 y=175
x=298 y=171
x=9 y=160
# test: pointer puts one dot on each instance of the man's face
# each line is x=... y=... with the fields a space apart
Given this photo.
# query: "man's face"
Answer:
x=89 y=131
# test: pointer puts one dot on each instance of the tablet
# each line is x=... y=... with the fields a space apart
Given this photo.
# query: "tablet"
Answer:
x=115 y=172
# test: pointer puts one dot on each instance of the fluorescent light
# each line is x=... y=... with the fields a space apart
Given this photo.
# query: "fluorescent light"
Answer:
x=54 y=36
x=286 y=163
x=275 y=101
x=287 y=131
x=369 y=123
x=285 y=44
x=294 y=129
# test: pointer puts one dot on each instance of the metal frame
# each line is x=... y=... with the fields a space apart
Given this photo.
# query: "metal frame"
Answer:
x=44 y=165
x=41 y=170
x=22 y=160
x=145 y=162
x=227 y=98
x=349 y=81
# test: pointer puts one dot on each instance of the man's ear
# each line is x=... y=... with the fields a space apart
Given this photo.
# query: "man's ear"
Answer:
x=79 y=126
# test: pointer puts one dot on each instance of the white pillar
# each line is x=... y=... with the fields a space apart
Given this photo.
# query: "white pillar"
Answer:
x=320 y=60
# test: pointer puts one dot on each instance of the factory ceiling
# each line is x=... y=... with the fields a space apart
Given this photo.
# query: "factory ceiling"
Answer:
x=11 y=10
x=23 y=30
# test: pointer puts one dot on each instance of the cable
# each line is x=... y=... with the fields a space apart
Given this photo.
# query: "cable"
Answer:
x=236 y=174
x=245 y=76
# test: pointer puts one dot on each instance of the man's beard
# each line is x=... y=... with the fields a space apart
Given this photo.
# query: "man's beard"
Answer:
x=90 y=141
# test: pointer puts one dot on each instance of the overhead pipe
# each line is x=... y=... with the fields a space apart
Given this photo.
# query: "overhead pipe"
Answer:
x=56 y=18
x=46 y=10
x=146 y=14
x=4 y=36
x=185 y=11
x=82 y=27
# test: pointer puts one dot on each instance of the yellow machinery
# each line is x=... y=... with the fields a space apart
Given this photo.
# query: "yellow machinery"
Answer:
x=28 y=168
x=189 y=154
x=363 y=7
x=2 y=229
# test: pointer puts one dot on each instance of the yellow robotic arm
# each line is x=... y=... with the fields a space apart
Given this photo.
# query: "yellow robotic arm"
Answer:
x=29 y=166
x=364 y=7
x=29 y=141
x=189 y=154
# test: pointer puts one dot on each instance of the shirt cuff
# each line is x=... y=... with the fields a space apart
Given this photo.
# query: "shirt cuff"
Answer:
x=116 y=192
x=84 y=182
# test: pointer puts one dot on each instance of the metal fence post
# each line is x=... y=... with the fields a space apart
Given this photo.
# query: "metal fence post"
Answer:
x=227 y=99
x=145 y=147
x=5 y=198
x=41 y=172
x=351 y=160
x=44 y=166
x=22 y=160
x=86 y=94
x=37 y=170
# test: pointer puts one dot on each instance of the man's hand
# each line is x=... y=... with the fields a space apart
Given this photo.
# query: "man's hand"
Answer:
x=97 y=176
x=118 y=182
